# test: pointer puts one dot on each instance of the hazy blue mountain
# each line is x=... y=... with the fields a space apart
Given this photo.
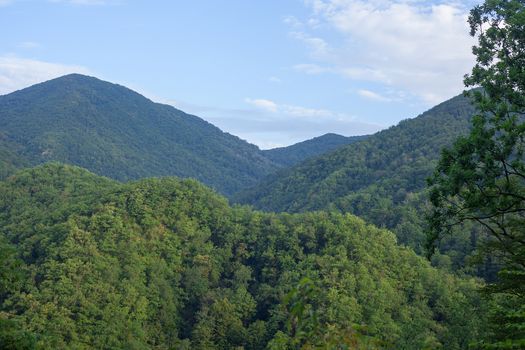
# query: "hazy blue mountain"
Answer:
x=116 y=132
x=294 y=154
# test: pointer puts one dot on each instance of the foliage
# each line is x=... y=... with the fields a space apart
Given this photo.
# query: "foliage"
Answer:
x=482 y=177
x=381 y=179
x=167 y=264
x=116 y=132
x=305 y=330
x=11 y=335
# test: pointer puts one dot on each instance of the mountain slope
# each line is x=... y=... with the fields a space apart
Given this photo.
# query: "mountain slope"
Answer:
x=380 y=179
x=294 y=154
x=167 y=264
x=116 y=132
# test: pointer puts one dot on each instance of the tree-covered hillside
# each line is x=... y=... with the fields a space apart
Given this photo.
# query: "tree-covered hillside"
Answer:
x=294 y=154
x=167 y=264
x=380 y=179
x=116 y=132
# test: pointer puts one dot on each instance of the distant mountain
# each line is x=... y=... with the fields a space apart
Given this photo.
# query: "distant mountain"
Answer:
x=114 y=131
x=294 y=154
x=381 y=179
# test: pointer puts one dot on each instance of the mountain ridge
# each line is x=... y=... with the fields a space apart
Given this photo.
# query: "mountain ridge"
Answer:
x=381 y=179
x=298 y=152
x=116 y=132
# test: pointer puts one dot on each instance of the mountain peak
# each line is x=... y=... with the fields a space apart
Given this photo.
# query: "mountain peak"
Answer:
x=116 y=132
x=71 y=83
x=73 y=78
x=76 y=76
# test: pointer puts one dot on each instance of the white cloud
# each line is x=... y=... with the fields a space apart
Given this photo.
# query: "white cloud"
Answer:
x=314 y=23
x=411 y=45
x=373 y=96
x=17 y=73
x=296 y=111
x=292 y=21
x=297 y=24
x=5 y=2
x=266 y=105
x=274 y=80
x=303 y=112
x=319 y=48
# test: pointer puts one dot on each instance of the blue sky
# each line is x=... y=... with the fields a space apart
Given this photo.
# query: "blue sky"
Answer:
x=273 y=72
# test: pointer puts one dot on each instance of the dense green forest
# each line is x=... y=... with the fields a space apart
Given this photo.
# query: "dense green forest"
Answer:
x=412 y=238
x=294 y=154
x=381 y=179
x=168 y=264
x=116 y=132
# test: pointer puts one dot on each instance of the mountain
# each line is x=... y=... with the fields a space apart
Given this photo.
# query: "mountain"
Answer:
x=115 y=132
x=382 y=178
x=88 y=262
x=294 y=154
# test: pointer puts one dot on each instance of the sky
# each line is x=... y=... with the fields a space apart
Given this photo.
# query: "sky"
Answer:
x=273 y=72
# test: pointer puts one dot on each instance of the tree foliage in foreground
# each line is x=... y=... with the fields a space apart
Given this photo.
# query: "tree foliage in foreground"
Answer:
x=482 y=178
x=167 y=264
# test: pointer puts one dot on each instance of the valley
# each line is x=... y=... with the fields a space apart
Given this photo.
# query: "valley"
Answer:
x=393 y=217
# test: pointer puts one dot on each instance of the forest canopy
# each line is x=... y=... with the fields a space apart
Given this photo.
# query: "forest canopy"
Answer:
x=167 y=263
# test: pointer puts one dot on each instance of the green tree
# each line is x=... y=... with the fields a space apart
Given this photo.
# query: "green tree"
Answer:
x=306 y=331
x=168 y=264
x=482 y=178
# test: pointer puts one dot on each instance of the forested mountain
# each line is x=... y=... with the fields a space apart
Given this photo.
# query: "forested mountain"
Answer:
x=116 y=132
x=166 y=263
x=294 y=154
x=381 y=179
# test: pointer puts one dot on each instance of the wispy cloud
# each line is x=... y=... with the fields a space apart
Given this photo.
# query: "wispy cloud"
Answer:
x=290 y=110
x=297 y=24
x=319 y=48
x=17 y=73
x=420 y=47
x=303 y=112
x=374 y=96
x=260 y=103
x=293 y=22
x=6 y=2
